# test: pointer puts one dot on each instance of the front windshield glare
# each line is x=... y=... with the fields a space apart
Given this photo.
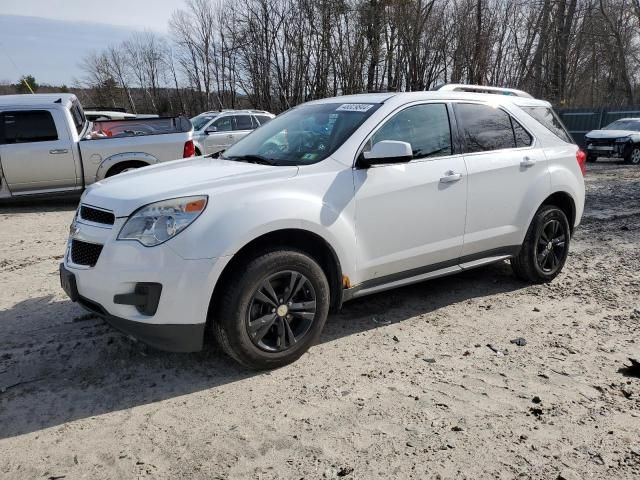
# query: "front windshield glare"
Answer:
x=633 y=125
x=303 y=135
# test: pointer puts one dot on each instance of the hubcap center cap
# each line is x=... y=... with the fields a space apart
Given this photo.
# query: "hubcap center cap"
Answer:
x=282 y=310
x=550 y=246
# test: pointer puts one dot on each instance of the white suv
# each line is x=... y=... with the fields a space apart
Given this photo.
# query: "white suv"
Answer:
x=214 y=132
x=333 y=200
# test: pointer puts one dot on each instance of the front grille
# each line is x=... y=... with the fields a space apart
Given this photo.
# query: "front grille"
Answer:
x=98 y=216
x=83 y=253
x=601 y=143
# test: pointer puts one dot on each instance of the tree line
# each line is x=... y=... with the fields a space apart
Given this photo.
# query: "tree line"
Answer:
x=274 y=54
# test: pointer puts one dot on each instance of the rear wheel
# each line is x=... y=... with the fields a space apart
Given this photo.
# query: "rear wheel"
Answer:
x=273 y=310
x=124 y=167
x=545 y=247
x=633 y=157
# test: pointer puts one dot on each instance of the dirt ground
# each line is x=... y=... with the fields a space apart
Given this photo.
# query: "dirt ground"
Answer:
x=402 y=384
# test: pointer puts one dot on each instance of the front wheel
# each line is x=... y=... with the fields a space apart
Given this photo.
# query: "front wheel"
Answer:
x=545 y=247
x=633 y=157
x=273 y=309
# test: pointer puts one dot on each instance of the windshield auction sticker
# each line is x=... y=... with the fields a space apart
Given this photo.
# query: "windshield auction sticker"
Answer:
x=354 y=107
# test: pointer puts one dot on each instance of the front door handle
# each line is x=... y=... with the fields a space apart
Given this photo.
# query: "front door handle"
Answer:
x=527 y=162
x=58 y=151
x=229 y=136
x=450 y=177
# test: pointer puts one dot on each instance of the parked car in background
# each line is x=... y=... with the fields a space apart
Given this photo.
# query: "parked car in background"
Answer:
x=360 y=194
x=216 y=131
x=620 y=139
x=47 y=145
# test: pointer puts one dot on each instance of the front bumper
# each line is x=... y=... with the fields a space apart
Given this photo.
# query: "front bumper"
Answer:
x=609 y=149
x=173 y=320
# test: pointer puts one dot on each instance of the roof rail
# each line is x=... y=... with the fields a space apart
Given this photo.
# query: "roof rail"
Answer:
x=458 y=87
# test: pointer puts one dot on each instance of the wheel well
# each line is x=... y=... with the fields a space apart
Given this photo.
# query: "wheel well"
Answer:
x=564 y=202
x=122 y=165
x=310 y=243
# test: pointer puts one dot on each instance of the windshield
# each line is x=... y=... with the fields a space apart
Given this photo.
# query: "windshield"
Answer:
x=624 y=125
x=201 y=120
x=303 y=135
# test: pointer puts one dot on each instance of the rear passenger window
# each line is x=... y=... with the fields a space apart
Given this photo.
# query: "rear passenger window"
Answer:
x=263 y=119
x=243 y=122
x=523 y=139
x=27 y=127
x=485 y=128
x=425 y=127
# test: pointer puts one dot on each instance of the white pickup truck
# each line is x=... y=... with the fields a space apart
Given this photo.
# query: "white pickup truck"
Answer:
x=48 y=146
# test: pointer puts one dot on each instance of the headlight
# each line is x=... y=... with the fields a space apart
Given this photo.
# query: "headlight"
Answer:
x=158 y=222
x=622 y=139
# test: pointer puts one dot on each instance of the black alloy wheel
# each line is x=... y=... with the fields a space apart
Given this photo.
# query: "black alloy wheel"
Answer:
x=281 y=311
x=552 y=244
x=545 y=247
x=272 y=307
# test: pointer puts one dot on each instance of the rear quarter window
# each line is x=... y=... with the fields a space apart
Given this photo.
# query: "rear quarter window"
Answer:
x=548 y=118
x=484 y=127
x=27 y=127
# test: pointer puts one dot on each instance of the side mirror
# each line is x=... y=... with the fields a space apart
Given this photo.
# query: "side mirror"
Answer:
x=385 y=152
x=211 y=130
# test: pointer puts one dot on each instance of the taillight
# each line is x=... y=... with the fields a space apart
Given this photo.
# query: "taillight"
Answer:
x=581 y=157
x=189 y=149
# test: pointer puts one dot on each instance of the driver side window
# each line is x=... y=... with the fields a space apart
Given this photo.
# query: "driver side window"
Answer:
x=425 y=127
x=223 y=124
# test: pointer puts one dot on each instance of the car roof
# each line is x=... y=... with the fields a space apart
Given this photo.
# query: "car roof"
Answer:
x=114 y=113
x=406 y=97
x=37 y=99
x=232 y=112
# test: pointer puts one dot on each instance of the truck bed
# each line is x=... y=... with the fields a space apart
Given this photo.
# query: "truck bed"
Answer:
x=137 y=127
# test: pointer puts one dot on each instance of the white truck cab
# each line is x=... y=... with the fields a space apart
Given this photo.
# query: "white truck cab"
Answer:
x=332 y=200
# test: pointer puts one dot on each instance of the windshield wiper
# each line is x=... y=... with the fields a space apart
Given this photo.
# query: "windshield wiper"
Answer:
x=251 y=159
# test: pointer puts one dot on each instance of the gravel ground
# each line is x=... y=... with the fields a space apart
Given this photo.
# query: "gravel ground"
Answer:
x=402 y=384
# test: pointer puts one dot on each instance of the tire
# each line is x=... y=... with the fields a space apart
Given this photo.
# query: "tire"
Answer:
x=257 y=331
x=545 y=247
x=123 y=167
x=633 y=157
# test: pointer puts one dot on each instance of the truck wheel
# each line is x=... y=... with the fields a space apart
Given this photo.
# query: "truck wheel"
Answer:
x=124 y=167
x=545 y=247
x=272 y=310
x=633 y=157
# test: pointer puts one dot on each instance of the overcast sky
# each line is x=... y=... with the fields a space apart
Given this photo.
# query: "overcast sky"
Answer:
x=137 y=14
x=48 y=38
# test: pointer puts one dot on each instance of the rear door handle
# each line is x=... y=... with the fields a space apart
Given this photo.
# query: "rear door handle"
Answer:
x=229 y=136
x=58 y=151
x=450 y=177
x=527 y=162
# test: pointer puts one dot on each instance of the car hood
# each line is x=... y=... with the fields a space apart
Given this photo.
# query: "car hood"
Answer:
x=126 y=192
x=609 y=134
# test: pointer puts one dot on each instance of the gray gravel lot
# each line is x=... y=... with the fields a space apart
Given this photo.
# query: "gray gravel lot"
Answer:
x=402 y=384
